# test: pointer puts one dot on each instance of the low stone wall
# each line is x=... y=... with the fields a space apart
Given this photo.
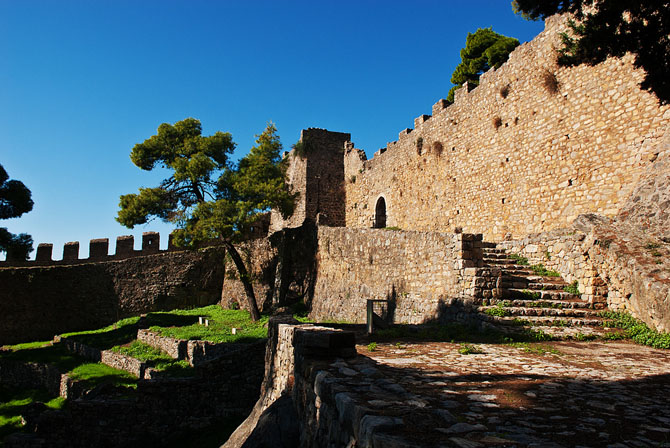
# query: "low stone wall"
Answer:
x=158 y=410
x=420 y=273
x=176 y=348
x=30 y=375
x=109 y=357
x=40 y=302
x=196 y=353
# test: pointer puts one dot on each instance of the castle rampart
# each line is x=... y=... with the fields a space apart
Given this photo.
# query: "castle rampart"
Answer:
x=98 y=251
x=528 y=150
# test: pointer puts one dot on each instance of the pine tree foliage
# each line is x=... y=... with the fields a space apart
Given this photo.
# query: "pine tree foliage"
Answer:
x=484 y=49
x=207 y=196
x=15 y=200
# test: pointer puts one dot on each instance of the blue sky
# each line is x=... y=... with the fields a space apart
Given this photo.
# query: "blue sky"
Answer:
x=82 y=81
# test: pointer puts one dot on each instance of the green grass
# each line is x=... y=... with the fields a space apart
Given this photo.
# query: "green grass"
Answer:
x=14 y=401
x=143 y=352
x=107 y=337
x=469 y=349
x=56 y=355
x=155 y=358
x=539 y=269
x=573 y=288
x=97 y=373
x=634 y=329
x=372 y=346
x=27 y=345
x=184 y=325
x=522 y=261
x=497 y=310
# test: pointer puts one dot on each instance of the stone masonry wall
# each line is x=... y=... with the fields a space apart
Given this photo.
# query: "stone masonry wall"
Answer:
x=421 y=273
x=39 y=302
x=319 y=178
x=528 y=150
x=260 y=260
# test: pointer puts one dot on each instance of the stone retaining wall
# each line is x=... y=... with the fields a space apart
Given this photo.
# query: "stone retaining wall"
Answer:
x=39 y=302
x=157 y=411
x=420 y=273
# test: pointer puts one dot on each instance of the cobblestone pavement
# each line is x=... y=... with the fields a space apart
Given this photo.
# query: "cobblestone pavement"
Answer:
x=558 y=394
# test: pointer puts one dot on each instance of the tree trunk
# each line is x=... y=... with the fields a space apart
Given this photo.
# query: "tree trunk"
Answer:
x=245 y=279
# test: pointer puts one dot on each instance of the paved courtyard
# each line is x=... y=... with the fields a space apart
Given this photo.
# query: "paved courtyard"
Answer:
x=558 y=394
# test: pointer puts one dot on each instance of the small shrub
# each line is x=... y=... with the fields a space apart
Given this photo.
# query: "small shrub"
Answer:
x=522 y=261
x=352 y=179
x=302 y=149
x=469 y=349
x=498 y=311
x=504 y=91
x=234 y=306
x=419 y=145
x=372 y=346
x=438 y=148
x=652 y=246
x=539 y=269
x=497 y=122
x=573 y=288
x=532 y=295
x=550 y=82
x=634 y=329
x=547 y=255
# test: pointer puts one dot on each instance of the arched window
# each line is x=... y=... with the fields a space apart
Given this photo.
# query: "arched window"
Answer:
x=380 y=214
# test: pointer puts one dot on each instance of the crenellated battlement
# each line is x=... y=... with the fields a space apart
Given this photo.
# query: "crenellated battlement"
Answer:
x=98 y=251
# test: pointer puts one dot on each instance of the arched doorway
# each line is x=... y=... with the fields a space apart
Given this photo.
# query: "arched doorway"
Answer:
x=380 y=214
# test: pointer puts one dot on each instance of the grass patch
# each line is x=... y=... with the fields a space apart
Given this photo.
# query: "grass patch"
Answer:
x=498 y=311
x=97 y=373
x=372 y=346
x=107 y=337
x=13 y=402
x=634 y=329
x=50 y=354
x=539 y=269
x=469 y=349
x=523 y=261
x=143 y=352
x=220 y=324
x=572 y=288
x=27 y=345
x=530 y=295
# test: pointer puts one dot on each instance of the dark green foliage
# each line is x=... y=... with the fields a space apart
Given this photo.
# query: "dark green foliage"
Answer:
x=498 y=311
x=484 y=49
x=15 y=200
x=573 y=288
x=539 y=269
x=613 y=28
x=522 y=261
x=207 y=197
x=634 y=329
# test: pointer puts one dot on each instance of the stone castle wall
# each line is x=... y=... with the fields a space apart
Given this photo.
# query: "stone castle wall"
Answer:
x=528 y=150
x=98 y=251
x=40 y=301
x=318 y=176
x=423 y=274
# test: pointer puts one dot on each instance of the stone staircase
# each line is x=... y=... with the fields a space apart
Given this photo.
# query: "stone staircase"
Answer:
x=526 y=300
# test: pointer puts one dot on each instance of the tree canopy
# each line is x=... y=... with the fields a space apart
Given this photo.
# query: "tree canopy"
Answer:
x=606 y=28
x=15 y=200
x=483 y=50
x=207 y=196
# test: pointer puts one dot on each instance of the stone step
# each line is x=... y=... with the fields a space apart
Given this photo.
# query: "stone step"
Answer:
x=537 y=294
x=523 y=311
x=559 y=304
x=499 y=261
x=495 y=256
x=545 y=321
